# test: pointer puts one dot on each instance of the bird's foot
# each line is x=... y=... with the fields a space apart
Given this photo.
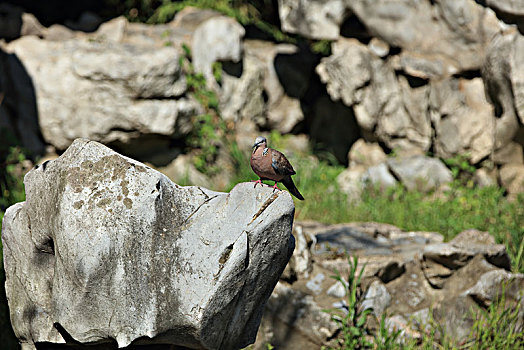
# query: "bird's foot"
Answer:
x=257 y=182
x=275 y=187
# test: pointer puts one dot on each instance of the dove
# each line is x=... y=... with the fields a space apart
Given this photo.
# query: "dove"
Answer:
x=270 y=164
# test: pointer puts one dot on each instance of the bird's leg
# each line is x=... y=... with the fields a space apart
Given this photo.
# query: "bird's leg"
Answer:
x=259 y=181
x=275 y=187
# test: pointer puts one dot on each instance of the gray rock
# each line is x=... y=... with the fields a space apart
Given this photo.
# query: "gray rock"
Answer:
x=463 y=119
x=350 y=182
x=286 y=76
x=511 y=153
x=512 y=178
x=366 y=154
x=420 y=172
x=337 y=290
x=485 y=177
x=490 y=286
x=511 y=11
x=216 y=39
x=116 y=251
x=347 y=70
x=376 y=298
x=383 y=105
x=31 y=26
x=315 y=283
x=293 y=320
x=504 y=80
x=182 y=170
x=122 y=92
x=315 y=19
x=453 y=32
x=379 y=176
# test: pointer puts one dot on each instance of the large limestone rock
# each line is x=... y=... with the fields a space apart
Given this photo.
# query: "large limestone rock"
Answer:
x=105 y=249
x=108 y=92
x=420 y=172
x=451 y=35
x=503 y=76
x=384 y=105
x=464 y=120
x=312 y=18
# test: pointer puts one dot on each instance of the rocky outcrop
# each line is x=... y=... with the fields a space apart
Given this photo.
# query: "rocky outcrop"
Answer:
x=106 y=249
x=412 y=277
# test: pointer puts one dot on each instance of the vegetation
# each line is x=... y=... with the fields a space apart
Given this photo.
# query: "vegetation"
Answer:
x=352 y=320
x=498 y=327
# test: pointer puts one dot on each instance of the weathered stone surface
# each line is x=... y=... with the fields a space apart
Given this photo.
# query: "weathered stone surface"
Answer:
x=217 y=39
x=182 y=170
x=366 y=154
x=350 y=182
x=464 y=121
x=105 y=248
x=489 y=287
x=511 y=11
x=376 y=298
x=454 y=256
x=420 y=172
x=292 y=320
x=511 y=153
x=383 y=105
x=312 y=18
x=333 y=127
x=452 y=32
x=120 y=91
x=512 y=178
x=503 y=76
x=241 y=96
x=485 y=177
x=285 y=72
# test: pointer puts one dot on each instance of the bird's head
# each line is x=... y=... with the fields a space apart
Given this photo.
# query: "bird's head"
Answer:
x=259 y=141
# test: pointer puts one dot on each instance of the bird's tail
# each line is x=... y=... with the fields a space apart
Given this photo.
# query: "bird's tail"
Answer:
x=290 y=185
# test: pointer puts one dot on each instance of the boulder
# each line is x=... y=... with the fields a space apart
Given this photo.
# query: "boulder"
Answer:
x=210 y=35
x=18 y=105
x=420 y=172
x=454 y=255
x=387 y=107
x=312 y=18
x=452 y=34
x=512 y=178
x=464 y=120
x=106 y=249
x=293 y=320
x=379 y=176
x=333 y=127
x=510 y=11
x=123 y=93
x=512 y=153
x=241 y=96
x=366 y=154
x=503 y=76
x=377 y=298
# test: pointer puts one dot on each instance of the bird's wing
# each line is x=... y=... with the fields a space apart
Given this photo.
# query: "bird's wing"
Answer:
x=280 y=163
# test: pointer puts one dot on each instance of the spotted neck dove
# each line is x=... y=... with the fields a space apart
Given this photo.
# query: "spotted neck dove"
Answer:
x=270 y=164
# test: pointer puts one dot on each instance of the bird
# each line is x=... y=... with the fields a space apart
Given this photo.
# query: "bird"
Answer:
x=270 y=164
